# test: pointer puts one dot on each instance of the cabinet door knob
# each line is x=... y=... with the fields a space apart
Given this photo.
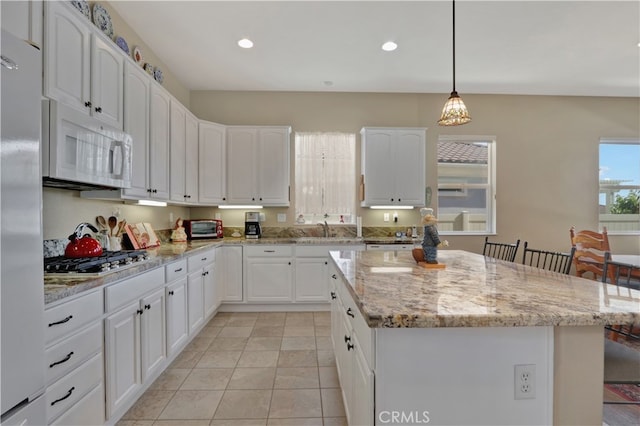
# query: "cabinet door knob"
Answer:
x=98 y=109
x=155 y=191
x=334 y=277
x=147 y=307
x=350 y=313
x=333 y=295
x=349 y=346
x=171 y=293
x=347 y=339
x=139 y=311
x=87 y=104
x=326 y=263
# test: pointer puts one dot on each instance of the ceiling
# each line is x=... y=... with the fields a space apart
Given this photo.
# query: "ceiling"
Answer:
x=503 y=47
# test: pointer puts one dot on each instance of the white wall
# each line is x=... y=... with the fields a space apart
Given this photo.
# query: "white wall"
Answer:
x=547 y=149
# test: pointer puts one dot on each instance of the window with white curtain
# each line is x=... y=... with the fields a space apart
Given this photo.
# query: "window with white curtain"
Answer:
x=325 y=177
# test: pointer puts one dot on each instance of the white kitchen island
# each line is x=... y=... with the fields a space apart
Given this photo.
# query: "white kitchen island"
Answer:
x=428 y=346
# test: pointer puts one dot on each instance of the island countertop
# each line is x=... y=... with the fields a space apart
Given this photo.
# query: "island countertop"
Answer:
x=391 y=290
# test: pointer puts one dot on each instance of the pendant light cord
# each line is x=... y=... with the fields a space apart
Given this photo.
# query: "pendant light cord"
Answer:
x=454 y=44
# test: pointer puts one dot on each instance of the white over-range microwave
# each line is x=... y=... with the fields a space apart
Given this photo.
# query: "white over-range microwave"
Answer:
x=80 y=152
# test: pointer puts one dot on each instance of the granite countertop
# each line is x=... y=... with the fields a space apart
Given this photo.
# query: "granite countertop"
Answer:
x=391 y=290
x=57 y=288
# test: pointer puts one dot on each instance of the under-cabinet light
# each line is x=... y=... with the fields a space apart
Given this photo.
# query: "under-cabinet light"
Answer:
x=391 y=207
x=226 y=206
x=151 y=203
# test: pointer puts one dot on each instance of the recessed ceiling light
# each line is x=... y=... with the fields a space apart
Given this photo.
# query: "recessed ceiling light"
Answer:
x=389 y=46
x=245 y=43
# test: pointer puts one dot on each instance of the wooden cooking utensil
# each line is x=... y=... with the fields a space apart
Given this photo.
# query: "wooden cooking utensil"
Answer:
x=112 y=224
x=102 y=223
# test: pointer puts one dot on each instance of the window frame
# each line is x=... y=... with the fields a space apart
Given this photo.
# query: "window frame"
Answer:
x=614 y=141
x=490 y=186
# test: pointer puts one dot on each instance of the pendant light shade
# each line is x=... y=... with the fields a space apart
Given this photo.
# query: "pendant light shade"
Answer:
x=454 y=112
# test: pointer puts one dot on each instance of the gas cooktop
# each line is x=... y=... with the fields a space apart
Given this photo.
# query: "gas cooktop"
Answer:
x=108 y=262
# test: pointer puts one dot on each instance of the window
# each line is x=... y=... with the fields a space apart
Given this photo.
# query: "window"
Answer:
x=325 y=177
x=620 y=185
x=466 y=184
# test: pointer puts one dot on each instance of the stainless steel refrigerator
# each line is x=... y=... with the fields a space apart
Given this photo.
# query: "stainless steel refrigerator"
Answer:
x=21 y=265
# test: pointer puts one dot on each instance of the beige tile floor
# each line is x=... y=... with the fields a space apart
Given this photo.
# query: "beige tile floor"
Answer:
x=266 y=368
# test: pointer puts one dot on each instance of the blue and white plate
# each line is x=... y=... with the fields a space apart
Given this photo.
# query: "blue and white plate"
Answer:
x=122 y=44
x=157 y=74
x=83 y=7
x=102 y=20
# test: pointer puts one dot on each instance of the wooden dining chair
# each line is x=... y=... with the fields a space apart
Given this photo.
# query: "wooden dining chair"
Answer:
x=549 y=260
x=502 y=251
x=622 y=360
x=590 y=247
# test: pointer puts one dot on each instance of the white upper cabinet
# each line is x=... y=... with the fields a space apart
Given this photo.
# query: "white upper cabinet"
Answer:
x=23 y=18
x=184 y=155
x=393 y=166
x=81 y=69
x=258 y=165
x=212 y=168
x=136 y=122
x=159 y=115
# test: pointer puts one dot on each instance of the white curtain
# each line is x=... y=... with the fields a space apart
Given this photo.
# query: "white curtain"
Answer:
x=325 y=175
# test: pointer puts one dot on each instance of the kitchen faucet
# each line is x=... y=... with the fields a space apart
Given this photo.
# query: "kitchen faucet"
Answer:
x=325 y=228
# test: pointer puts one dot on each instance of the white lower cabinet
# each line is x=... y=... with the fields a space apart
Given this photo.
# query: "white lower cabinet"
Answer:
x=200 y=288
x=177 y=313
x=353 y=346
x=269 y=273
x=229 y=273
x=135 y=345
x=74 y=365
x=311 y=274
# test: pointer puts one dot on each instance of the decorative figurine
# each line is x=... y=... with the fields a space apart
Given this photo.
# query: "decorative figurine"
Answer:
x=430 y=242
x=178 y=235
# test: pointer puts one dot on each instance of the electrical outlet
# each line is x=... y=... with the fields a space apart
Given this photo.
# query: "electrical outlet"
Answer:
x=525 y=381
x=386 y=217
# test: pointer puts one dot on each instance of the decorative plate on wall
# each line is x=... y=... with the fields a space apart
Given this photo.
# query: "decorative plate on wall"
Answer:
x=83 y=7
x=122 y=44
x=102 y=20
x=149 y=69
x=137 y=55
x=157 y=74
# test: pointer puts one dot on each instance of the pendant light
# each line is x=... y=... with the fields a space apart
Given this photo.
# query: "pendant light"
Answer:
x=454 y=112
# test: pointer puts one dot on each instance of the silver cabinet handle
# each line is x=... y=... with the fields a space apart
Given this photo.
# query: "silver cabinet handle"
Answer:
x=8 y=63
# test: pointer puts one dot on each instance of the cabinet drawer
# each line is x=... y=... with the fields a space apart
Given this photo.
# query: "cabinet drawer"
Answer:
x=198 y=261
x=175 y=270
x=124 y=292
x=88 y=411
x=313 y=251
x=68 y=354
x=71 y=388
x=65 y=318
x=269 y=251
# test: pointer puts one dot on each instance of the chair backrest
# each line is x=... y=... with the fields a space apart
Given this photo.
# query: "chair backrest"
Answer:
x=591 y=248
x=549 y=260
x=502 y=251
x=625 y=277
x=621 y=274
